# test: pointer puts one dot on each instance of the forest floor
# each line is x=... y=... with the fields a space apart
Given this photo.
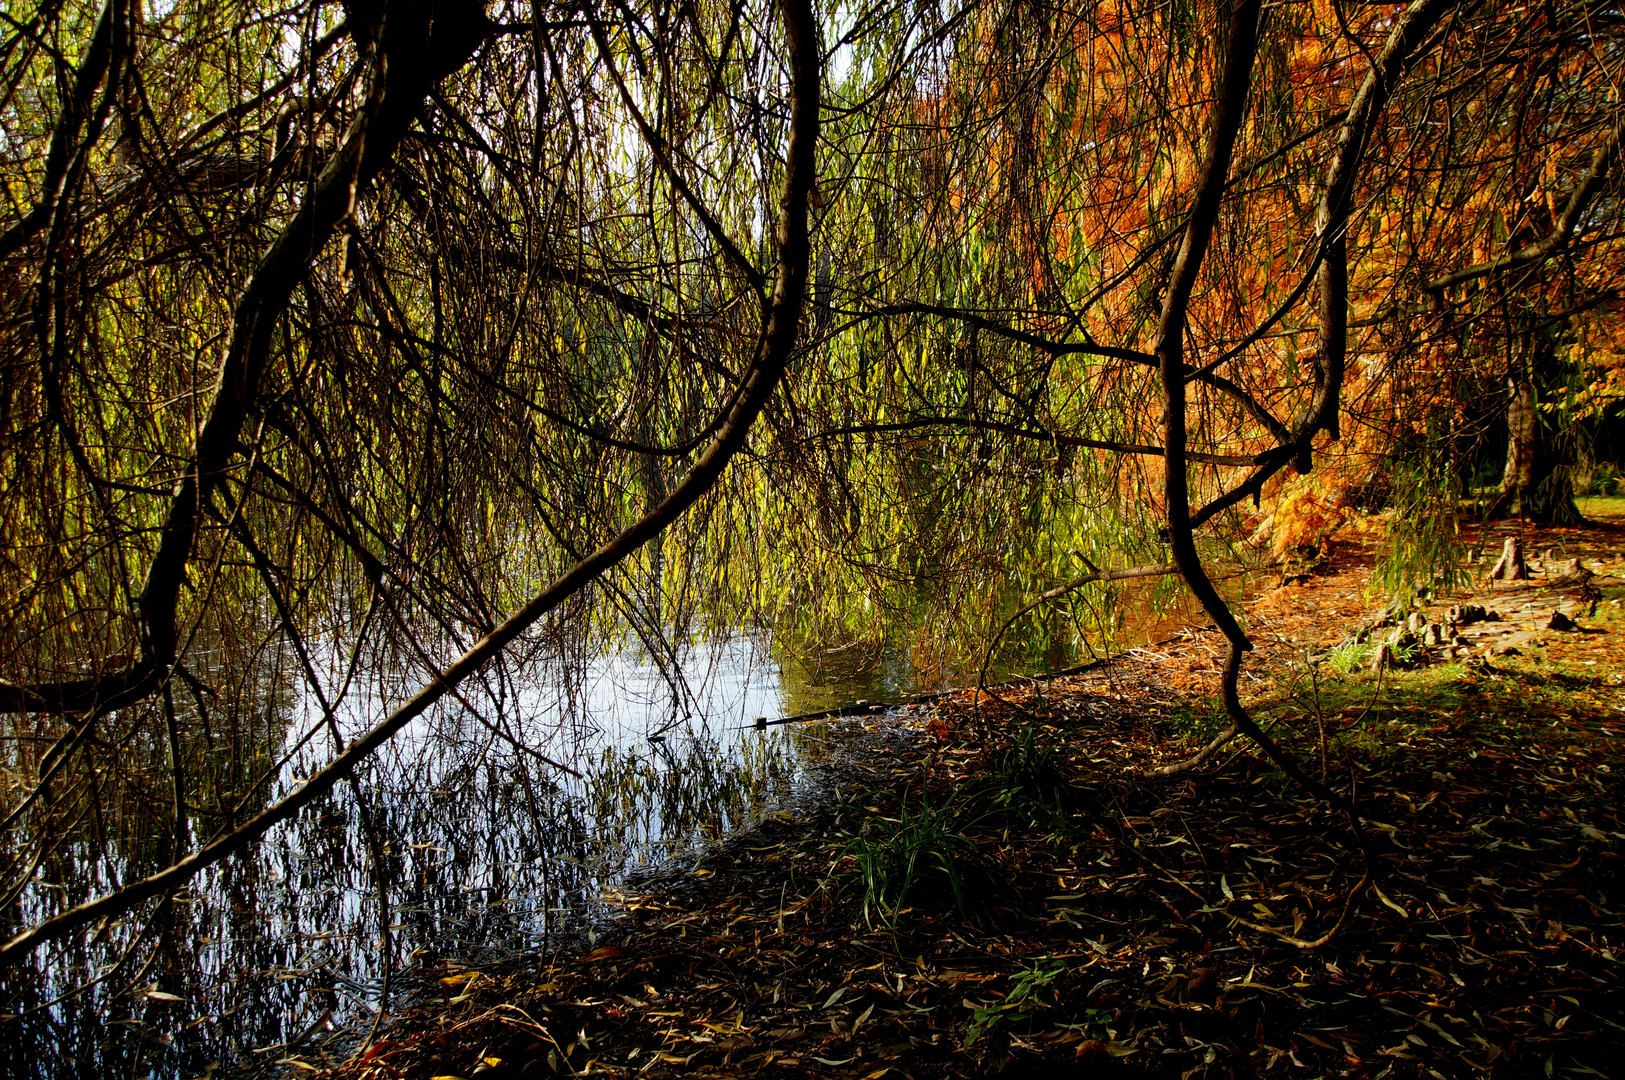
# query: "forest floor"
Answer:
x=1002 y=892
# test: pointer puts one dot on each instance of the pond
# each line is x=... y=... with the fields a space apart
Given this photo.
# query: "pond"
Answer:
x=495 y=824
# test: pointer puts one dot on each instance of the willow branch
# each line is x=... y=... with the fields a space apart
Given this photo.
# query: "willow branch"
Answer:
x=663 y=155
x=1603 y=164
x=775 y=344
x=1051 y=347
x=1161 y=570
x=1036 y=434
x=413 y=50
x=1229 y=117
x=98 y=62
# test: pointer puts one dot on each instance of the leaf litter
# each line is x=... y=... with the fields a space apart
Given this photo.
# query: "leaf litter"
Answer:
x=1055 y=914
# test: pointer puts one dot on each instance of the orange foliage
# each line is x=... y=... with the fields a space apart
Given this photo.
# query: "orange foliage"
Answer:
x=1085 y=185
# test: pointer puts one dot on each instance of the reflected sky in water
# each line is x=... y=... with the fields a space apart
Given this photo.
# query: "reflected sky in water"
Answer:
x=487 y=851
x=499 y=819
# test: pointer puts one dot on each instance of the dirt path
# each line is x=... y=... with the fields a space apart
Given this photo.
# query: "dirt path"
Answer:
x=1063 y=918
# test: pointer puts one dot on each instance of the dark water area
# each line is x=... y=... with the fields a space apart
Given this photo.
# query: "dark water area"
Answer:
x=494 y=825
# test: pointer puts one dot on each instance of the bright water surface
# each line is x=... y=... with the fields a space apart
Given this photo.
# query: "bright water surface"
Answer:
x=491 y=851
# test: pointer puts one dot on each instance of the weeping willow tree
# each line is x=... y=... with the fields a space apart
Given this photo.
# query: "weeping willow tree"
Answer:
x=401 y=323
x=429 y=332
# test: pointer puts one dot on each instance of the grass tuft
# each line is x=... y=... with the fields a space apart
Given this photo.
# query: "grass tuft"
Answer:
x=921 y=858
x=1028 y=785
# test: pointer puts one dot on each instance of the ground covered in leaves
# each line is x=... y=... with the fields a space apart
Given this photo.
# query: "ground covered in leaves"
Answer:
x=998 y=891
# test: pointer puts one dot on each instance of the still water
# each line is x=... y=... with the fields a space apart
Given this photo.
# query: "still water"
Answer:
x=490 y=828
x=497 y=821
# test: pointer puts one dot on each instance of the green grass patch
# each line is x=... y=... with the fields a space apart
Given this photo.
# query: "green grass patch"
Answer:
x=1028 y=785
x=1198 y=721
x=1350 y=657
x=1370 y=719
x=921 y=858
x=1602 y=505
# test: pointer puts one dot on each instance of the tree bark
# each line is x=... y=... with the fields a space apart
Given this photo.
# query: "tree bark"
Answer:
x=1535 y=480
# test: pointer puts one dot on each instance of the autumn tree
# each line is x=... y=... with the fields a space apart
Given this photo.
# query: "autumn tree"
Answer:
x=1171 y=271
x=396 y=333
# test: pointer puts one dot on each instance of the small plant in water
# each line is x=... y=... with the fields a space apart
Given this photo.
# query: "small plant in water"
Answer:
x=923 y=855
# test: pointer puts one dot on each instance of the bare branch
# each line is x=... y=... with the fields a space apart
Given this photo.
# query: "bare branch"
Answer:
x=1603 y=164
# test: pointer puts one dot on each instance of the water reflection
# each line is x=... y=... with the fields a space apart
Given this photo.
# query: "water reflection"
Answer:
x=492 y=824
x=484 y=849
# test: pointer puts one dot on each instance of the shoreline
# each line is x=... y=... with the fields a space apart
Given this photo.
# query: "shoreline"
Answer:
x=1133 y=928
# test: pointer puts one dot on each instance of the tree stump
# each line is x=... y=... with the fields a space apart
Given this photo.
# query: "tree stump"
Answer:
x=1510 y=566
x=1383 y=659
x=1570 y=574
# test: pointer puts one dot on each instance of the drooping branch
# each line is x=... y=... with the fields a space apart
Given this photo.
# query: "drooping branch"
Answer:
x=1405 y=42
x=1409 y=35
x=109 y=691
x=1127 y=574
x=982 y=321
x=413 y=47
x=664 y=155
x=78 y=111
x=1053 y=348
x=776 y=342
x=1332 y=219
x=1604 y=164
x=1320 y=414
x=980 y=424
x=1229 y=116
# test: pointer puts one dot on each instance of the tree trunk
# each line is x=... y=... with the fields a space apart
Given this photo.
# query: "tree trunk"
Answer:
x=1535 y=482
x=1511 y=566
